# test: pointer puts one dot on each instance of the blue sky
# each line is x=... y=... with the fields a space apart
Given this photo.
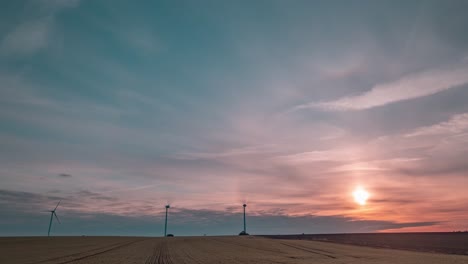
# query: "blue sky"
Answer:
x=118 y=108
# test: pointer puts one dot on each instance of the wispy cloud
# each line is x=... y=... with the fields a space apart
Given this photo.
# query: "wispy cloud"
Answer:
x=409 y=87
x=323 y=155
x=244 y=151
x=457 y=124
x=140 y=40
x=27 y=38
x=54 y=4
x=34 y=33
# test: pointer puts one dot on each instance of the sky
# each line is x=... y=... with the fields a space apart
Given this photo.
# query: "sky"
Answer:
x=118 y=108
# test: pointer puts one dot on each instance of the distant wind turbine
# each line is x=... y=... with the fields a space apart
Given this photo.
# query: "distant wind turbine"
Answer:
x=165 y=225
x=244 y=232
x=52 y=214
x=244 y=205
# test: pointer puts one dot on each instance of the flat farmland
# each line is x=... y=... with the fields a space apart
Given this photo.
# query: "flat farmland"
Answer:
x=448 y=243
x=93 y=250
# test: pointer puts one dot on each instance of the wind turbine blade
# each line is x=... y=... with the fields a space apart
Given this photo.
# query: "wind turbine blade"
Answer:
x=57 y=205
x=56 y=217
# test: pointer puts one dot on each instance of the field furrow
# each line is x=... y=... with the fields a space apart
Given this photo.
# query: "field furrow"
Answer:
x=309 y=250
x=160 y=254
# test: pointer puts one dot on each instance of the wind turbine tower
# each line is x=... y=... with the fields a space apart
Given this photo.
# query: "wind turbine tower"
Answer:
x=52 y=214
x=245 y=231
x=165 y=225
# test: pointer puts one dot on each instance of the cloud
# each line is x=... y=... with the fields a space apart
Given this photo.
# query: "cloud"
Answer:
x=36 y=30
x=95 y=196
x=27 y=38
x=456 y=125
x=140 y=40
x=321 y=155
x=243 y=151
x=409 y=87
x=26 y=202
x=64 y=175
x=58 y=3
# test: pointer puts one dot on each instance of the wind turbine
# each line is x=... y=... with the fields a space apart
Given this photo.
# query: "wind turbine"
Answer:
x=165 y=225
x=52 y=214
x=245 y=231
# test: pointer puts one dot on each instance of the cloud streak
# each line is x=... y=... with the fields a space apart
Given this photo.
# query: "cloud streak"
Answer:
x=27 y=38
x=456 y=125
x=34 y=33
x=409 y=87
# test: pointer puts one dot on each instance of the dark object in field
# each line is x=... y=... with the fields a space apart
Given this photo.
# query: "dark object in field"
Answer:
x=243 y=233
x=170 y=235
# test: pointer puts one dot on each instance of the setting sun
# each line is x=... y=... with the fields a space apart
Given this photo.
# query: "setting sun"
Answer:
x=360 y=196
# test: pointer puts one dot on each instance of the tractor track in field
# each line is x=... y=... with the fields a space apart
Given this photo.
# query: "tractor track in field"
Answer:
x=160 y=255
x=245 y=246
x=315 y=251
x=216 y=254
x=79 y=255
x=190 y=257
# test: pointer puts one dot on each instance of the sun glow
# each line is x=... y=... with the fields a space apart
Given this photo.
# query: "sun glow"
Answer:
x=360 y=196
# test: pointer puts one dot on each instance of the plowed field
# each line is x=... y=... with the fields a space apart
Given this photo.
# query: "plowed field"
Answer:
x=94 y=250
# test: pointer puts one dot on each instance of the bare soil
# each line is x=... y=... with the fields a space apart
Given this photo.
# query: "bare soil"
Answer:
x=94 y=250
x=447 y=243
